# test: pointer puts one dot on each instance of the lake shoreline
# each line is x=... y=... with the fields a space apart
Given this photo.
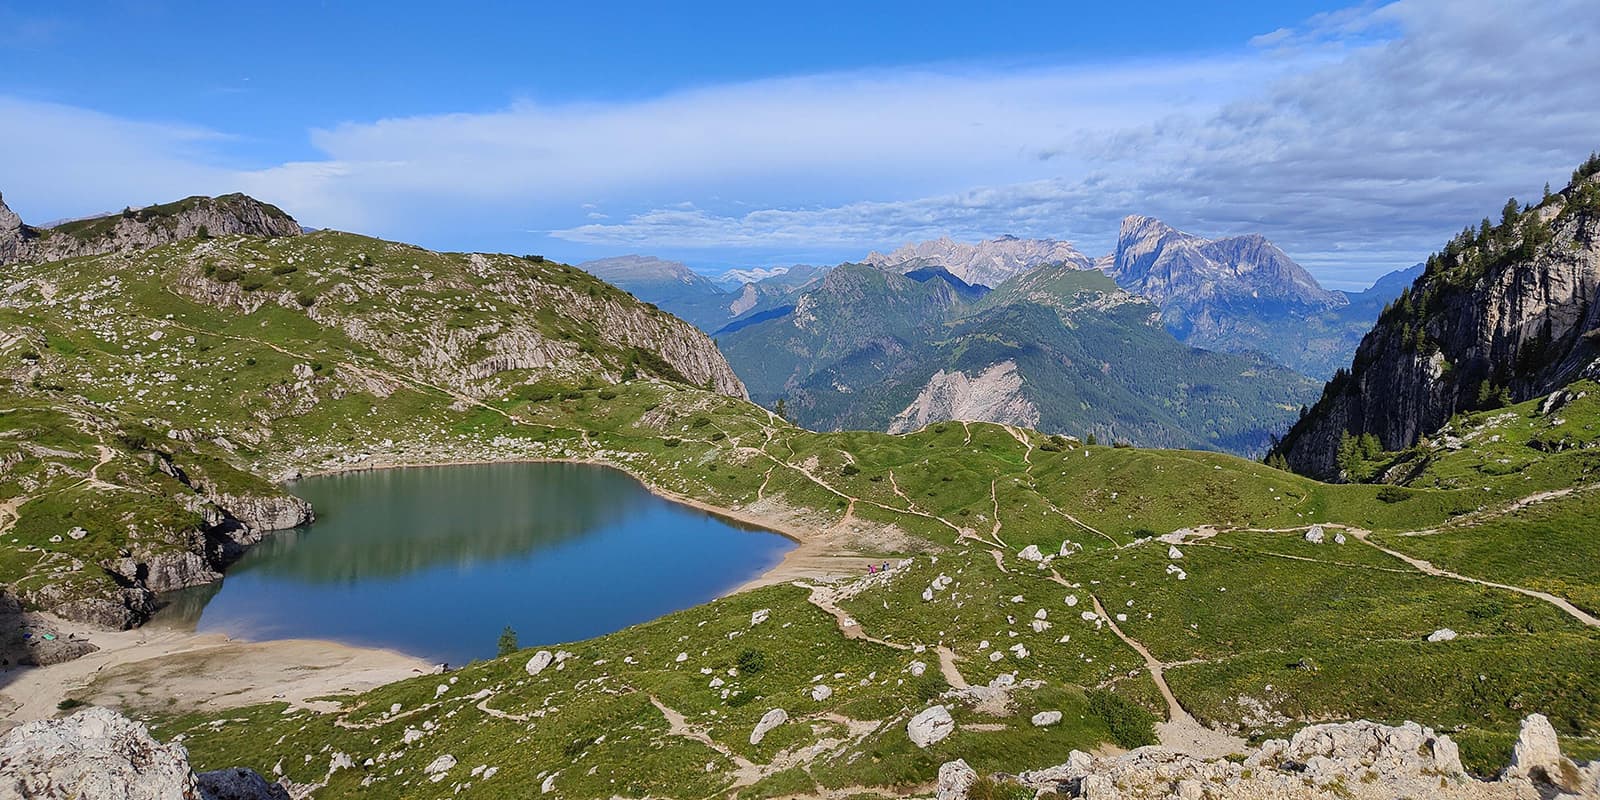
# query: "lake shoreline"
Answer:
x=815 y=557
x=255 y=671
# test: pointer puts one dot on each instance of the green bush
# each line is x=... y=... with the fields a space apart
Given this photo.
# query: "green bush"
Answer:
x=1128 y=722
x=252 y=284
x=750 y=662
x=285 y=269
x=1393 y=494
x=305 y=299
x=226 y=274
x=672 y=441
x=849 y=469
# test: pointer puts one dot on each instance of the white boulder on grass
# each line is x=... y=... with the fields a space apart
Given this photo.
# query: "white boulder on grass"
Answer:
x=1031 y=553
x=1442 y=635
x=769 y=720
x=759 y=616
x=1314 y=535
x=821 y=692
x=1045 y=719
x=931 y=726
x=540 y=660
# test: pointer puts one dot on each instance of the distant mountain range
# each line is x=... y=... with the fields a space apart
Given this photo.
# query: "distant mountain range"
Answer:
x=710 y=303
x=917 y=335
x=1058 y=348
x=989 y=263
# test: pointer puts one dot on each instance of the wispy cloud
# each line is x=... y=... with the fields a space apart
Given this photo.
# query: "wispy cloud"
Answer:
x=1356 y=140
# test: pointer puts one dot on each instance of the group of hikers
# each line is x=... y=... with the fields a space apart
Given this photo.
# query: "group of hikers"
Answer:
x=873 y=569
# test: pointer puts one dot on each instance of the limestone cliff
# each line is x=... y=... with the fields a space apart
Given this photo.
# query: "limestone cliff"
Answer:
x=1504 y=313
x=141 y=229
x=993 y=395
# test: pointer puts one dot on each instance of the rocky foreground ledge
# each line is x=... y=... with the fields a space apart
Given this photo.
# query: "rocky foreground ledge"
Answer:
x=98 y=754
x=1349 y=761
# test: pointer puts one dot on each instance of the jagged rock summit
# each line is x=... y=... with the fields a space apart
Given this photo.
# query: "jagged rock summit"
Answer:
x=98 y=754
x=1184 y=272
x=141 y=229
x=988 y=263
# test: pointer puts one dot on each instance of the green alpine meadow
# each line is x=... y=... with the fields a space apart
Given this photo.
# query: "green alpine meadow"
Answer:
x=631 y=402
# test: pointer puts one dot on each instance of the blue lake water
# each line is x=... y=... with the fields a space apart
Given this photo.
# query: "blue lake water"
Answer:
x=435 y=561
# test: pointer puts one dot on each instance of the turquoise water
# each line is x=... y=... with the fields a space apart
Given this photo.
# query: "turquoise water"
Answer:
x=435 y=561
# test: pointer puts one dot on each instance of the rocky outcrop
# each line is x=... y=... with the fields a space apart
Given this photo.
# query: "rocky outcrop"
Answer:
x=987 y=263
x=98 y=754
x=1503 y=316
x=1354 y=761
x=993 y=395
x=141 y=229
x=264 y=513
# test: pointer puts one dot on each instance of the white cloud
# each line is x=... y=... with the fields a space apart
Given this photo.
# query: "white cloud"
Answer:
x=1357 y=141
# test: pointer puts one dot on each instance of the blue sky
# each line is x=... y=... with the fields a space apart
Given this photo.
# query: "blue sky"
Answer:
x=1356 y=137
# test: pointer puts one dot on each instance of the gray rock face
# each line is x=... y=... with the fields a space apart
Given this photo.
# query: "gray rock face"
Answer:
x=265 y=513
x=993 y=395
x=98 y=754
x=141 y=229
x=1523 y=325
x=988 y=263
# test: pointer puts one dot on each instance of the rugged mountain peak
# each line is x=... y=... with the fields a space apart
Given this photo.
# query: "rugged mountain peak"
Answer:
x=9 y=221
x=1174 y=267
x=142 y=229
x=1502 y=314
x=989 y=263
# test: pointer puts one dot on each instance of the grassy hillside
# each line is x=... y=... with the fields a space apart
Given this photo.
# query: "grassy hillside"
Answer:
x=401 y=356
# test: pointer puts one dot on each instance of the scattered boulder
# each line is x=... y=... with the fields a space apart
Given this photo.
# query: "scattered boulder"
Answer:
x=821 y=692
x=769 y=720
x=917 y=668
x=759 y=616
x=1045 y=719
x=1442 y=635
x=930 y=726
x=437 y=768
x=1173 y=552
x=955 y=779
x=1031 y=553
x=1314 y=534
x=540 y=660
